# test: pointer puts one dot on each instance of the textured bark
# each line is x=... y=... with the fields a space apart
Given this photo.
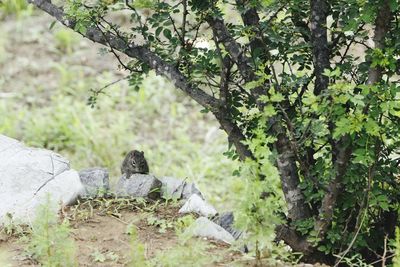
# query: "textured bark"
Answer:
x=291 y=238
x=319 y=41
x=382 y=24
x=234 y=49
x=286 y=162
x=250 y=18
x=235 y=135
x=297 y=208
x=341 y=154
x=224 y=83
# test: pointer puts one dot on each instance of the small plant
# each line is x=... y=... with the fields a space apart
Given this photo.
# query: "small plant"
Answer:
x=65 y=40
x=15 y=7
x=10 y=228
x=193 y=252
x=183 y=223
x=162 y=224
x=396 y=259
x=50 y=243
x=137 y=255
x=259 y=202
x=98 y=256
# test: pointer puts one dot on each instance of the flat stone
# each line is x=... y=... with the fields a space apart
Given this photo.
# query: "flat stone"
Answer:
x=226 y=220
x=203 y=227
x=96 y=181
x=139 y=185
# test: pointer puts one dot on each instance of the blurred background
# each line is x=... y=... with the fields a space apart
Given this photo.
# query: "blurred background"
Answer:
x=47 y=73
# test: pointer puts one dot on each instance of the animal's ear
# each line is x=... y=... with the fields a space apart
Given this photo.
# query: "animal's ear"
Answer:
x=142 y=152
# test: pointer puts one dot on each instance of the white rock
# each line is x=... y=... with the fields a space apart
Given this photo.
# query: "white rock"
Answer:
x=28 y=175
x=197 y=205
x=203 y=227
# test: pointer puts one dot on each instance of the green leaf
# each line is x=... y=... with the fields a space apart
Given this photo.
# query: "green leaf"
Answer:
x=167 y=33
x=158 y=31
x=52 y=24
x=371 y=127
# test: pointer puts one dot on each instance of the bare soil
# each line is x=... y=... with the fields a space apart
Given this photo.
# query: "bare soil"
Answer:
x=100 y=228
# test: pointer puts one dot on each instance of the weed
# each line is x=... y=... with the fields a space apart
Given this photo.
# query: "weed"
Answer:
x=103 y=257
x=10 y=227
x=19 y=8
x=50 y=243
x=65 y=40
x=396 y=259
x=161 y=224
x=193 y=252
x=137 y=249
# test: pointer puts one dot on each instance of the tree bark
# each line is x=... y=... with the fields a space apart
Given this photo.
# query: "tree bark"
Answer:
x=319 y=41
x=382 y=25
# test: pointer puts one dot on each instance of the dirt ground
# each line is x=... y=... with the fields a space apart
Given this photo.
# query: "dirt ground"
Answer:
x=99 y=231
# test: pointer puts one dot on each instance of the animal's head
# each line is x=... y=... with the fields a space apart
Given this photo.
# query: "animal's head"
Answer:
x=138 y=154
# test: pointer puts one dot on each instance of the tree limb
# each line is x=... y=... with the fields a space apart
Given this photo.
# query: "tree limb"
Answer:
x=235 y=135
x=142 y=53
x=319 y=42
x=234 y=49
x=382 y=25
x=145 y=55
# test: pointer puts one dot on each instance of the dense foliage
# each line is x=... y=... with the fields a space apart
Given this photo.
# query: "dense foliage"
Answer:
x=308 y=87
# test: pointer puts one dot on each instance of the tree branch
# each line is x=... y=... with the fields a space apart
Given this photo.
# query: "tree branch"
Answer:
x=235 y=135
x=319 y=42
x=382 y=24
x=290 y=237
x=234 y=49
x=142 y=53
x=145 y=55
x=251 y=19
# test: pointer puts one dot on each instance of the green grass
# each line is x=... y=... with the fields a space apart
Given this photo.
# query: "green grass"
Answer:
x=19 y=8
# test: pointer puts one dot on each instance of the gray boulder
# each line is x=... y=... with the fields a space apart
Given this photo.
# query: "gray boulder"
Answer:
x=139 y=185
x=28 y=176
x=195 y=204
x=177 y=189
x=225 y=220
x=203 y=227
x=96 y=181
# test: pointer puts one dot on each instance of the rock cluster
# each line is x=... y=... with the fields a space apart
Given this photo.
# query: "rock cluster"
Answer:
x=29 y=177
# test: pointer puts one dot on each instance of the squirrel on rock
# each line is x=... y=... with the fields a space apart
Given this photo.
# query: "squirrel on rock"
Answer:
x=134 y=162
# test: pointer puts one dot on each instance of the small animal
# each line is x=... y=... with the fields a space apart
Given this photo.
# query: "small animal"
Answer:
x=134 y=162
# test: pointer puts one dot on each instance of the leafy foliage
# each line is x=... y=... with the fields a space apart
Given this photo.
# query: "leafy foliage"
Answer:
x=19 y=8
x=50 y=243
x=396 y=259
x=297 y=85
